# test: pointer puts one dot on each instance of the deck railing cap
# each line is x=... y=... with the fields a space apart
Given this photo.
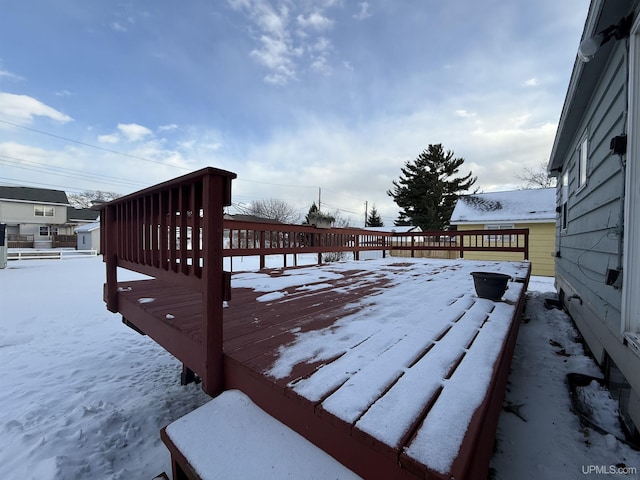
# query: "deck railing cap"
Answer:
x=189 y=177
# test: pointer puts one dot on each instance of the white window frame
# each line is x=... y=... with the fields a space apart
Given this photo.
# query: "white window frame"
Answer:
x=499 y=226
x=44 y=211
x=582 y=162
x=631 y=266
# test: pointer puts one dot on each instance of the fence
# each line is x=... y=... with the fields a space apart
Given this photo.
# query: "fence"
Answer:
x=261 y=239
x=19 y=241
x=49 y=254
x=28 y=240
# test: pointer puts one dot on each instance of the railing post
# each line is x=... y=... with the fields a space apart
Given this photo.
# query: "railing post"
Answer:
x=109 y=226
x=216 y=194
x=461 y=240
x=263 y=245
x=526 y=245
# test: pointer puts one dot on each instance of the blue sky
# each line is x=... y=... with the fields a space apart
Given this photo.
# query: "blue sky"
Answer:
x=292 y=96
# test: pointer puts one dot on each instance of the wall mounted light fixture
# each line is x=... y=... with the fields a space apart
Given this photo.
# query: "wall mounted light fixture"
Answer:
x=589 y=46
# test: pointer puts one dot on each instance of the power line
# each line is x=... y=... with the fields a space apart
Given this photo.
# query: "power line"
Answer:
x=94 y=146
x=34 y=166
x=67 y=188
x=123 y=182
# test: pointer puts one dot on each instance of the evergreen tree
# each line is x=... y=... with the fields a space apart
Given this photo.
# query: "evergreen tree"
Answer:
x=374 y=220
x=313 y=210
x=429 y=187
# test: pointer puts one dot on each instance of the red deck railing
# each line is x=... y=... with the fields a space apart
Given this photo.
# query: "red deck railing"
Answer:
x=173 y=232
x=261 y=239
x=176 y=233
x=506 y=240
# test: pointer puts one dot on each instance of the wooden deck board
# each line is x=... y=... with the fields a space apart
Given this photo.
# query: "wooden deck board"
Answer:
x=374 y=392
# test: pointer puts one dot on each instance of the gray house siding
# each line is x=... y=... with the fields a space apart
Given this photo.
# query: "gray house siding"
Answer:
x=588 y=236
x=589 y=245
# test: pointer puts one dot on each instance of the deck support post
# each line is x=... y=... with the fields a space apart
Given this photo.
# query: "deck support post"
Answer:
x=216 y=189
x=109 y=226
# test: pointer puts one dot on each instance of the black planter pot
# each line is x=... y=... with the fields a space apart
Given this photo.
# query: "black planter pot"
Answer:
x=490 y=285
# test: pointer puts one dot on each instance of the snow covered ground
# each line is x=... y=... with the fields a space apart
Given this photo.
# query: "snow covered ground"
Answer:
x=83 y=396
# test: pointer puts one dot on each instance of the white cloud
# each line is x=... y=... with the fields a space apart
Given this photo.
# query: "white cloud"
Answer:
x=323 y=45
x=134 y=132
x=7 y=74
x=112 y=138
x=22 y=109
x=286 y=40
x=531 y=82
x=363 y=12
x=167 y=128
x=276 y=55
x=465 y=113
x=118 y=27
x=315 y=20
x=320 y=65
x=63 y=93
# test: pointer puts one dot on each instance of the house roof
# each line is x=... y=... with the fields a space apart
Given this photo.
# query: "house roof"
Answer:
x=535 y=205
x=395 y=229
x=239 y=217
x=82 y=214
x=584 y=78
x=89 y=227
x=30 y=194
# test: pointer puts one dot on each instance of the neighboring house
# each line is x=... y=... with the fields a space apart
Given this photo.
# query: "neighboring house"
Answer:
x=249 y=218
x=81 y=216
x=395 y=229
x=88 y=236
x=596 y=158
x=38 y=215
x=533 y=209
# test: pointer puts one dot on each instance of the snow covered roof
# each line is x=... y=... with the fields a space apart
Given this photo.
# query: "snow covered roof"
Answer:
x=89 y=227
x=535 y=205
x=396 y=229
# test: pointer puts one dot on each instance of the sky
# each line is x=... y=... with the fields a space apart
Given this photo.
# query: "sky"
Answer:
x=304 y=100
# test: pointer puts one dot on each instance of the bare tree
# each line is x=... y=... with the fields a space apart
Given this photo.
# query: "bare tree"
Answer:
x=537 y=177
x=274 y=209
x=340 y=221
x=88 y=198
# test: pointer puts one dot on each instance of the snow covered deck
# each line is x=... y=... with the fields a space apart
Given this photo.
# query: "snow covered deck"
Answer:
x=392 y=366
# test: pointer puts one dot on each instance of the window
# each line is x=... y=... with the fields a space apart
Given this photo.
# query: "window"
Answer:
x=504 y=240
x=44 y=211
x=565 y=200
x=582 y=162
x=47 y=231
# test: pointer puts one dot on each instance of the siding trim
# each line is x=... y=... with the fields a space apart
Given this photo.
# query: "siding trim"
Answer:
x=631 y=271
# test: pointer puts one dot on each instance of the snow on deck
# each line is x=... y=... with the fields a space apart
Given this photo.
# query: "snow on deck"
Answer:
x=423 y=344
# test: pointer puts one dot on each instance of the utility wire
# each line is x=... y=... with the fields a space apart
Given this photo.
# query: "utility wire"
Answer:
x=20 y=183
x=157 y=162
x=67 y=172
x=94 y=146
